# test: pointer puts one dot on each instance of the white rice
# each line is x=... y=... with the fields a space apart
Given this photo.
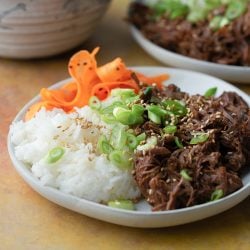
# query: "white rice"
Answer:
x=81 y=171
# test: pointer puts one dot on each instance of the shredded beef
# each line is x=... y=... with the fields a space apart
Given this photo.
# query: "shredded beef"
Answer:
x=228 y=45
x=214 y=164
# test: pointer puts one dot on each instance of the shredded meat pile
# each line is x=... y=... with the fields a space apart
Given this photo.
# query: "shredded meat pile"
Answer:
x=228 y=45
x=214 y=164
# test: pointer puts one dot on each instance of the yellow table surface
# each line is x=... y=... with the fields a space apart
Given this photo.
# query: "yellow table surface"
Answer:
x=29 y=221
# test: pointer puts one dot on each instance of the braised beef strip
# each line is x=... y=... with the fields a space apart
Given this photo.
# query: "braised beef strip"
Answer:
x=229 y=45
x=215 y=164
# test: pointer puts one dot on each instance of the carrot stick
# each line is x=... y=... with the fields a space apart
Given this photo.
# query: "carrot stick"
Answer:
x=36 y=107
x=89 y=80
x=113 y=71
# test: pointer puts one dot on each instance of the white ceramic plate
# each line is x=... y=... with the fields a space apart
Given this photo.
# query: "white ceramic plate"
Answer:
x=189 y=81
x=230 y=73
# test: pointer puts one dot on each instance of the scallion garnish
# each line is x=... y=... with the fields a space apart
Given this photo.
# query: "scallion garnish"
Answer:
x=154 y=117
x=210 y=92
x=137 y=109
x=132 y=141
x=124 y=116
x=122 y=204
x=157 y=110
x=173 y=8
x=156 y=113
x=141 y=137
x=217 y=194
x=120 y=159
x=94 y=103
x=218 y=22
x=55 y=155
x=176 y=107
x=197 y=14
x=199 y=138
x=236 y=9
x=108 y=118
x=178 y=142
x=109 y=109
x=147 y=91
x=103 y=146
x=170 y=129
x=118 y=137
x=185 y=175
x=123 y=93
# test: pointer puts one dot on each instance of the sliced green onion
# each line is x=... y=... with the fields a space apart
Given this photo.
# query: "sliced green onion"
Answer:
x=94 y=103
x=139 y=119
x=224 y=22
x=236 y=9
x=175 y=107
x=159 y=8
x=157 y=110
x=109 y=109
x=212 y=4
x=210 y=92
x=181 y=11
x=108 y=118
x=120 y=159
x=197 y=15
x=147 y=91
x=218 y=22
x=154 y=117
x=118 y=137
x=138 y=109
x=132 y=141
x=150 y=143
x=55 y=154
x=103 y=146
x=178 y=142
x=170 y=129
x=217 y=194
x=141 y=137
x=122 y=204
x=199 y=138
x=124 y=116
x=123 y=93
x=185 y=175
x=174 y=8
x=132 y=99
x=225 y=1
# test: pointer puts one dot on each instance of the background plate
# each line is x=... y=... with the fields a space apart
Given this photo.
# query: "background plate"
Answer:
x=191 y=82
x=230 y=73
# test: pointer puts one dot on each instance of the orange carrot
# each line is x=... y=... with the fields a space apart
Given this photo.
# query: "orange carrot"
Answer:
x=113 y=71
x=70 y=90
x=36 y=107
x=89 y=80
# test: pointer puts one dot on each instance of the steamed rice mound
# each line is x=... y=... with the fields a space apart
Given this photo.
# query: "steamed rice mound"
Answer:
x=81 y=171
